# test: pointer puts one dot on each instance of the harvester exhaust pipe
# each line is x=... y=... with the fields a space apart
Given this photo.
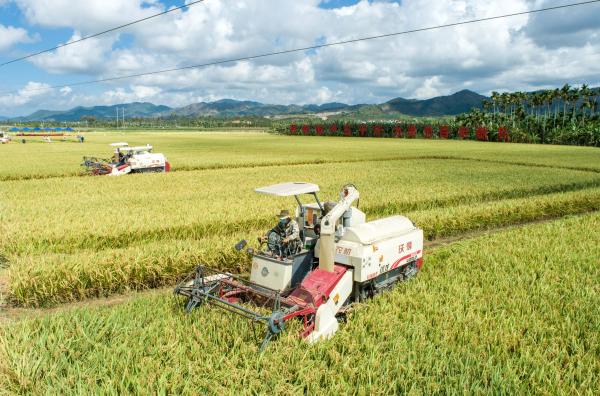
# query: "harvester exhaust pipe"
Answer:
x=328 y=225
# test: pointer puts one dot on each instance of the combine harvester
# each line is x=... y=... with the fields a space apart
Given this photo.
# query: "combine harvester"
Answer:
x=4 y=137
x=126 y=160
x=343 y=260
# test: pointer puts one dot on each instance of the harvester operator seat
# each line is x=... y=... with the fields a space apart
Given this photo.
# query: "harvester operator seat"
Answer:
x=278 y=248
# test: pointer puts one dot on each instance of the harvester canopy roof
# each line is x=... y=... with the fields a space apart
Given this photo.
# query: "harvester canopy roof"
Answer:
x=137 y=148
x=288 y=189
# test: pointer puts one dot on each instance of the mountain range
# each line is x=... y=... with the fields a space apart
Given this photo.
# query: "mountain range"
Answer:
x=456 y=103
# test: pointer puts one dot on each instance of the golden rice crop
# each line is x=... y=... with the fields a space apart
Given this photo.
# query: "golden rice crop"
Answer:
x=63 y=215
x=209 y=150
x=516 y=312
x=39 y=280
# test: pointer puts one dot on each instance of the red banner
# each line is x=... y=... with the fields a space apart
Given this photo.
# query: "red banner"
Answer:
x=482 y=134
x=377 y=130
x=293 y=129
x=444 y=132
x=412 y=131
x=319 y=129
x=347 y=130
x=428 y=132
x=503 y=135
x=398 y=131
x=362 y=130
x=333 y=129
x=463 y=132
x=305 y=129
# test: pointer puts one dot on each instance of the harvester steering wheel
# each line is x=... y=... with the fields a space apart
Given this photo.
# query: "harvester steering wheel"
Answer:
x=275 y=243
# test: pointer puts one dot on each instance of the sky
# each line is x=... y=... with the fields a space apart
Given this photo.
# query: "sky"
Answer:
x=524 y=53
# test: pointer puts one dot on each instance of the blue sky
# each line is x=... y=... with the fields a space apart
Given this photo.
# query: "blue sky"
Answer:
x=520 y=53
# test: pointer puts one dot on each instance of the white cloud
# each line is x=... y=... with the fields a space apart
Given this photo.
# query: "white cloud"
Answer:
x=86 y=57
x=27 y=94
x=89 y=16
x=9 y=36
x=504 y=54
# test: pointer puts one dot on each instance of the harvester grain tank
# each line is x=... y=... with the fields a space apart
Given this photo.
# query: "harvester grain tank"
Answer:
x=343 y=260
x=127 y=159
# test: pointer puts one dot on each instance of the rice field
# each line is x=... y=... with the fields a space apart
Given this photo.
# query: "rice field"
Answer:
x=210 y=150
x=67 y=238
x=516 y=312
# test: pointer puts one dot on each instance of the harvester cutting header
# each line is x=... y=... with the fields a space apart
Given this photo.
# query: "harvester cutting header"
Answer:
x=126 y=159
x=341 y=259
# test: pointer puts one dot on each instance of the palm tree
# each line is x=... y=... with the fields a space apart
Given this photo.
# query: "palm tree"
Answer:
x=586 y=93
x=564 y=95
x=574 y=96
x=495 y=97
x=556 y=95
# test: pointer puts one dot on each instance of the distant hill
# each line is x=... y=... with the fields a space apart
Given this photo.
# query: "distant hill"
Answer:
x=457 y=103
x=236 y=108
x=135 y=109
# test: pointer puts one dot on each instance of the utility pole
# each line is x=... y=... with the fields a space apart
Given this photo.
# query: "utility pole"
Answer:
x=117 y=117
x=123 y=117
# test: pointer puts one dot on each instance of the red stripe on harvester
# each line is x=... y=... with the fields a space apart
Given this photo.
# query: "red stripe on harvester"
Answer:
x=401 y=259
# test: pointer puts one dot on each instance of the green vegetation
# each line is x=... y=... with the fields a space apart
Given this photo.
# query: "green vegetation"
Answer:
x=213 y=150
x=568 y=115
x=510 y=313
x=48 y=279
x=98 y=236
x=515 y=312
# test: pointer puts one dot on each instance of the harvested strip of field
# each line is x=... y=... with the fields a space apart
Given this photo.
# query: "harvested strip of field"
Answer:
x=512 y=313
x=43 y=280
x=101 y=213
x=206 y=150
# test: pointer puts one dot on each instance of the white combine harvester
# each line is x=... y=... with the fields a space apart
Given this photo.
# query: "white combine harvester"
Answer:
x=4 y=137
x=126 y=159
x=343 y=260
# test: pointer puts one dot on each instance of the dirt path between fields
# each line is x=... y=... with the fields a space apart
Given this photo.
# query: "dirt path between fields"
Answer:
x=11 y=314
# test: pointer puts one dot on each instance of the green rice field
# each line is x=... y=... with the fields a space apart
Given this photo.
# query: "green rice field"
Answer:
x=507 y=302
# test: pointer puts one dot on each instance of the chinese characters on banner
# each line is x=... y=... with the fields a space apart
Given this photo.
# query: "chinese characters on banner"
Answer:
x=362 y=130
x=377 y=129
x=503 y=135
x=412 y=131
x=398 y=131
x=482 y=134
x=444 y=132
x=428 y=132
x=347 y=130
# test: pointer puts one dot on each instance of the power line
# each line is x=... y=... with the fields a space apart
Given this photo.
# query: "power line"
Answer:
x=100 y=33
x=312 y=47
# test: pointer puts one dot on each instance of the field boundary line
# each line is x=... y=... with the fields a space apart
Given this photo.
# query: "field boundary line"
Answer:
x=323 y=162
x=11 y=314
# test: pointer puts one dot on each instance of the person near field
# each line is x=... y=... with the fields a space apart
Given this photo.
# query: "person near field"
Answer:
x=289 y=232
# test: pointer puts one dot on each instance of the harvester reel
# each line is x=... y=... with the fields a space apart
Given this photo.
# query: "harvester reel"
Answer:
x=275 y=325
